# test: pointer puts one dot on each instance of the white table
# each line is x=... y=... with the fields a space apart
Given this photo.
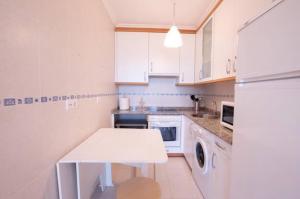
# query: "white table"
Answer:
x=107 y=145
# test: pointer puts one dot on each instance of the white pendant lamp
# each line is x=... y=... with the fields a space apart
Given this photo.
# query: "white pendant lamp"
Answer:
x=173 y=38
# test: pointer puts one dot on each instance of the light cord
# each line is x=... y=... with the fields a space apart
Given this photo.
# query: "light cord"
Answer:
x=174 y=12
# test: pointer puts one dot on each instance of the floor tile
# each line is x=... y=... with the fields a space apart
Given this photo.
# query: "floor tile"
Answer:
x=175 y=179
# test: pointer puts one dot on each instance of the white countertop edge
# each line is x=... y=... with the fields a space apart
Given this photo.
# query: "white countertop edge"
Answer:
x=102 y=162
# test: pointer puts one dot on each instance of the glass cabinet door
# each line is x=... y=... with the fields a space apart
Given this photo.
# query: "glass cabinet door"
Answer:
x=207 y=49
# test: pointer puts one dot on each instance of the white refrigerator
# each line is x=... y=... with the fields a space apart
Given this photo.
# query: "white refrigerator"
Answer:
x=266 y=137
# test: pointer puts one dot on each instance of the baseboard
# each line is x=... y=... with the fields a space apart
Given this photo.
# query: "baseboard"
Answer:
x=175 y=155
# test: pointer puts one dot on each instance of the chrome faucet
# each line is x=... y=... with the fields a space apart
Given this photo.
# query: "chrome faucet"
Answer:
x=215 y=108
x=196 y=106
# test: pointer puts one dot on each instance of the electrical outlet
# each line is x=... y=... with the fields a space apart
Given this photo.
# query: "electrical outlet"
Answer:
x=71 y=104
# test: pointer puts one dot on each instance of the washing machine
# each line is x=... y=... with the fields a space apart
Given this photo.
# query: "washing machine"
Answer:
x=202 y=169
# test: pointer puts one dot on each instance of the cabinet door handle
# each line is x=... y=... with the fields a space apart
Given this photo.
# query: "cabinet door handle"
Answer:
x=151 y=66
x=145 y=76
x=228 y=66
x=213 y=161
x=233 y=64
x=200 y=74
x=182 y=77
x=220 y=146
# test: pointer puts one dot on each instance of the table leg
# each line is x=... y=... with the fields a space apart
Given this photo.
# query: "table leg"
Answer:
x=145 y=170
x=78 y=180
x=58 y=180
x=154 y=171
x=108 y=175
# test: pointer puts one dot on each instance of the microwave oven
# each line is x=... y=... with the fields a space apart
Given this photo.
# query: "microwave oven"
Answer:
x=227 y=114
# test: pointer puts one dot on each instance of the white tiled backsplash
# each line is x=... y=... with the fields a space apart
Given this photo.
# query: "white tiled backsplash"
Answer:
x=163 y=92
x=160 y=92
x=218 y=92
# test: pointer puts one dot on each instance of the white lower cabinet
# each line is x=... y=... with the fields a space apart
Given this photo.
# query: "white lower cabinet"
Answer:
x=188 y=140
x=219 y=168
x=221 y=164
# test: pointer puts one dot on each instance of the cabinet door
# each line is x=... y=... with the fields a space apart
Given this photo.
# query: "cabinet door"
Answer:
x=225 y=34
x=163 y=61
x=188 y=140
x=207 y=49
x=131 y=57
x=187 y=59
x=198 y=62
x=221 y=171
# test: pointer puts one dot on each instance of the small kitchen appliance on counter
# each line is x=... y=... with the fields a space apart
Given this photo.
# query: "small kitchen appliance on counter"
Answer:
x=227 y=114
x=124 y=103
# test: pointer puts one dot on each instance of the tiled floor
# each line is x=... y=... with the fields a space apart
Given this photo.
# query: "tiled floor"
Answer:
x=175 y=179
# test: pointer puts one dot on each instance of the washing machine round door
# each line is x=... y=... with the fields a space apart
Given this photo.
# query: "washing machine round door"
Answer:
x=201 y=156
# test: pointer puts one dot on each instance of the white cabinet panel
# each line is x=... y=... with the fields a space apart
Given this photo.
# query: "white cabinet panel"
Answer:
x=187 y=59
x=198 y=54
x=204 y=52
x=221 y=164
x=131 y=57
x=225 y=36
x=188 y=140
x=162 y=61
x=269 y=46
x=207 y=49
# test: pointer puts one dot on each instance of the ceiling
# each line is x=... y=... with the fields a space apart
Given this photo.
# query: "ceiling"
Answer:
x=158 y=13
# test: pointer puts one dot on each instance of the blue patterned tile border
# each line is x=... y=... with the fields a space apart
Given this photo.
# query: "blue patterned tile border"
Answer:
x=10 y=101
x=176 y=94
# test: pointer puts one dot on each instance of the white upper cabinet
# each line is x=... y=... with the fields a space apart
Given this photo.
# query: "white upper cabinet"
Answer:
x=204 y=52
x=131 y=57
x=207 y=50
x=162 y=61
x=187 y=59
x=225 y=40
x=198 y=54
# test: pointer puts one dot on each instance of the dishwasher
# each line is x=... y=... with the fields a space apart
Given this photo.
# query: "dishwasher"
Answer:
x=133 y=121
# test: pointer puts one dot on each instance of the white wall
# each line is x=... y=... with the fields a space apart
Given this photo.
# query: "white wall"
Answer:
x=47 y=49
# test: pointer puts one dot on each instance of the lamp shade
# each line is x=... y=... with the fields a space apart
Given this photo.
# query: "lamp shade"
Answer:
x=173 y=38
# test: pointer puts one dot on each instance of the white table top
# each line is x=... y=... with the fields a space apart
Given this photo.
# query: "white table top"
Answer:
x=109 y=145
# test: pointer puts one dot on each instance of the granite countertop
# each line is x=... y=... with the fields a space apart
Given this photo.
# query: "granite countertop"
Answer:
x=212 y=125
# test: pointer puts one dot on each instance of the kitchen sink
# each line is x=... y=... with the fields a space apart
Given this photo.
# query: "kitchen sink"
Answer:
x=205 y=115
x=199 y=115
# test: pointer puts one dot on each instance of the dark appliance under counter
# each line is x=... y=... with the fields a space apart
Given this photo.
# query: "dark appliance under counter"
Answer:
x=135 y=121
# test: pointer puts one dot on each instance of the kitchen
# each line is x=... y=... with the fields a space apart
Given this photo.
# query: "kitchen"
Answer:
x=206 y=92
